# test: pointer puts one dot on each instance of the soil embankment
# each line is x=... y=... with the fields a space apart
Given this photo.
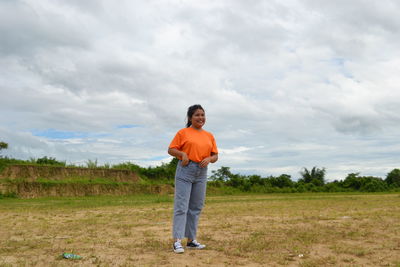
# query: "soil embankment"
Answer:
x=30 y=181
x=32 y=172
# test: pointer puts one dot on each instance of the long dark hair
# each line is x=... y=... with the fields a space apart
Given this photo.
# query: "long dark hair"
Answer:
x=190 y=112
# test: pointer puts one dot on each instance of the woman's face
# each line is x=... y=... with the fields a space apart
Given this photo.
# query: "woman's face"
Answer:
x=198 y=118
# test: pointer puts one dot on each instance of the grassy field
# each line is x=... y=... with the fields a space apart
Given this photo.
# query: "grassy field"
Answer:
x=240 y=230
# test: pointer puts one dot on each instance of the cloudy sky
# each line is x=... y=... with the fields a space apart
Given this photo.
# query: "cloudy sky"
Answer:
x=285 y=84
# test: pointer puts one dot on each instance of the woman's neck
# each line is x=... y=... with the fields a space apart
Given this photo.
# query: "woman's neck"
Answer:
x=197 y=129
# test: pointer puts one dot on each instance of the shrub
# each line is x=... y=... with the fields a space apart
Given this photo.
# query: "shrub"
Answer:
x=281 y=181
x=393 y=178
x=91 y=164
x=3 y=145
x=373 y=184
x=8 y=195
x=164 y=172
x=301 y=188
x=334 y=186
x=49 y=161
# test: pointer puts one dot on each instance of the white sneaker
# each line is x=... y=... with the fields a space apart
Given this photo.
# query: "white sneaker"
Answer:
x=178 y=247
x=195 y=244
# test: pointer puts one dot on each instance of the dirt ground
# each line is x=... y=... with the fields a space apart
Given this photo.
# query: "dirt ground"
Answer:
x=246 y=230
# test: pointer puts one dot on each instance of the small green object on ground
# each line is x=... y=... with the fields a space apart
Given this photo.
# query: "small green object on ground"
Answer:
x=71 y=256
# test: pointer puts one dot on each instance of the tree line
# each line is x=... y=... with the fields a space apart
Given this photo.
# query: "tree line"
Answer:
x=311 y=180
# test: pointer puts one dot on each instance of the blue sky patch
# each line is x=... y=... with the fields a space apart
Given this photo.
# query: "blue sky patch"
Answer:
x=57 y=134
x=127 y=126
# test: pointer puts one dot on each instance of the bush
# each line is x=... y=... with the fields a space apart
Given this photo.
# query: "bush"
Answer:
x=374 y=185
x=281 y=181
x=364 y=183
x=164 y=172
x=91 y=164
x=127 y=166
x=49 y=161
x=352 y=181
x=3 y=145
x=217 y=184
x=301 y=188
x=333 y=187
x=393 y=178
x=8 y=195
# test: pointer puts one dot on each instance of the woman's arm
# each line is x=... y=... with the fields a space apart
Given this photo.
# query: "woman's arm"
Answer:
x=213 y=158
x=179 y=154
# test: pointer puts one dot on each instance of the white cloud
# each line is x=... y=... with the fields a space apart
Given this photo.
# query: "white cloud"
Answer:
x=285 y=85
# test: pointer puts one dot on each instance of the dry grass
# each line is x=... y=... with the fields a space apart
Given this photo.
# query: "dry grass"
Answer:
x=246 y=230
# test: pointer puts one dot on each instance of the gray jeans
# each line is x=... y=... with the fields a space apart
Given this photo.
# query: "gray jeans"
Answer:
x=190 y=192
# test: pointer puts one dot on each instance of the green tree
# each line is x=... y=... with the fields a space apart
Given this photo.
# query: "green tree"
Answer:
x=255 y=179
x=364 y=183
x=281 y=181
x=316 y=176
x=3 y=145
x=165 y=171
x=171 y=166
x=352 y=181
x=222 y=174
x=237 y=181
x=393 y=178
x=374 y=184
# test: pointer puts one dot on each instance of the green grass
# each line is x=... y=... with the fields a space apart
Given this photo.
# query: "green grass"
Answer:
x=247 y=229
x=8 y=195
x=104 y=201
x=82 y=202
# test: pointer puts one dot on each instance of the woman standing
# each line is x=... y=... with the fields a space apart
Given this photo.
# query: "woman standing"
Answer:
x=195 y=148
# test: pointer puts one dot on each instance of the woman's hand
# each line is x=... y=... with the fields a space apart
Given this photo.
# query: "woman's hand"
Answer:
x=213 y=158
x=205 y=162
x=185 y=159
x=180 y=155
